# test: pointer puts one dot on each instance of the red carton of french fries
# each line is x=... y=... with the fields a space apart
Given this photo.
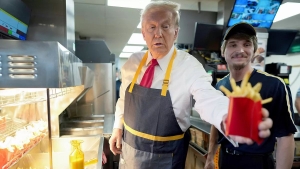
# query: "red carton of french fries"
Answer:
x=243 y=118
x=245 y=109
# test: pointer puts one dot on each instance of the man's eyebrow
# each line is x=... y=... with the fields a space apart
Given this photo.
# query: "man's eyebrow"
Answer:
x=166 y=22
x=232 y=41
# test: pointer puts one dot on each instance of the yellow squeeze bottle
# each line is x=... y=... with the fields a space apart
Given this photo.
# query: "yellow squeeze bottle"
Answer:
x=76 y=157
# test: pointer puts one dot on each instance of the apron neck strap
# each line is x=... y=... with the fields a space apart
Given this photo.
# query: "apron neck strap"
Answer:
x=167 y=75
x=166 y=81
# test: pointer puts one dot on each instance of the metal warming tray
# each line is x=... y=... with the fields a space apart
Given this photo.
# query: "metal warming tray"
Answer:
x=37 y=64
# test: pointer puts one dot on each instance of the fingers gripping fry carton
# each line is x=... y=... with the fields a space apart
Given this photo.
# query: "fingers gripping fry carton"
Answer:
x=245 y=109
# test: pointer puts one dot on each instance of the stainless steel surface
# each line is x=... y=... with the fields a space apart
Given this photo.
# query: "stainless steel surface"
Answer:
x=108 y=125
x=88 y=118
x=83 y=126
x=200 y=124
x=58 y=105
x=199 y=151
x=82 y=123
x=49 y=129
x=52 y=21
x=97 y=98
x=100 y=151
x=94 y=51
x=34 y=64
x=85 y=131
x=25 y=68
x=87 y=77
x=88 y=125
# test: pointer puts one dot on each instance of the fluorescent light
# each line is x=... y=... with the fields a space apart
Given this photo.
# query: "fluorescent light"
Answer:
x=140 y=4
x=132 y=48
x=137 y=39
x=139 y=25
x=287 y=10
x=125 y=55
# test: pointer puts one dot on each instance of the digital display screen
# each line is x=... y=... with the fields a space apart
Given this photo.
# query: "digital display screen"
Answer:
x=295 y=46
x=208 y=37
x=12 y=26
x=275 y=39
x=258 y=13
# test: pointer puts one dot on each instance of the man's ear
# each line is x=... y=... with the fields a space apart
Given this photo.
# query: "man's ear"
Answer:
x=143 y=33
x=176 y=33
x=222 y=52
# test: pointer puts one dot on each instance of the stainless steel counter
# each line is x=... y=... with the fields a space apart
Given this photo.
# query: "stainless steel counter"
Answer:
x=109 y=120
x=200 y=124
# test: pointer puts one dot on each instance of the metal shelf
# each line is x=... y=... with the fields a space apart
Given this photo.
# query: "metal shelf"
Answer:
x=15 y=97
x=18 y=156
x=200 y=149
x=9 y=128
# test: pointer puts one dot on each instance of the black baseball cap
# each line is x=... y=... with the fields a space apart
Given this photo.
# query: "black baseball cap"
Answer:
x=241 y=27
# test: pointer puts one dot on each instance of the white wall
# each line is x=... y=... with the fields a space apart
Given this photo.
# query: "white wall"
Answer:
x=293 y=60
x=121 y=62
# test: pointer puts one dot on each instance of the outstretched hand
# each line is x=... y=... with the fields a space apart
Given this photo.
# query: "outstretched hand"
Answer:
x=264 y=129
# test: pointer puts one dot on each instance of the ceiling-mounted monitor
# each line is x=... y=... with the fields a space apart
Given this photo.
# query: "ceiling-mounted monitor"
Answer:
x=279 y=41
x=295 y=46
x=208 y=37
x=14 y=19
x=258 y=13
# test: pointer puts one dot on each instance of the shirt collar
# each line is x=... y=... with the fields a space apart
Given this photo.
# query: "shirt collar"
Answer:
x=162 y=62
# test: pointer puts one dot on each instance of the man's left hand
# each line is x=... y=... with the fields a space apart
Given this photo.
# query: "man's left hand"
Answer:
x=264 y=129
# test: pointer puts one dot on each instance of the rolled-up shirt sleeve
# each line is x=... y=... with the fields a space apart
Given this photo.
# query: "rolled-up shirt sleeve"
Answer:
x=210 y=103
x=119 y=112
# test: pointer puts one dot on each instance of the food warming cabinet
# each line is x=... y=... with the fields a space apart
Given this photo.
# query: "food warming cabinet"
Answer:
x=38 y=81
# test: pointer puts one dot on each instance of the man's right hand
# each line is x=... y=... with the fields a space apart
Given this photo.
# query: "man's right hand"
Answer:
x=263 y=127
x=115 y=141
x=209 y=164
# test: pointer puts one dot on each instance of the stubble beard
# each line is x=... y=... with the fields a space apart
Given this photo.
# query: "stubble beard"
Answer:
x=238 y=66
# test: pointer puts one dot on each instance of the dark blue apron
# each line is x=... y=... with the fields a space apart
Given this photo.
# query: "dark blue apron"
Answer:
x=152 y=137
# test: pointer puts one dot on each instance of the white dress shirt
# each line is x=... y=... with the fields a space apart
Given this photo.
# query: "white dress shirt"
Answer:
x=188 y=78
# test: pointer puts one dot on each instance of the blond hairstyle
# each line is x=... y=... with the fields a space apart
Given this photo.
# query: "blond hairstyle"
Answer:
x=240 y=36
x=169 y=5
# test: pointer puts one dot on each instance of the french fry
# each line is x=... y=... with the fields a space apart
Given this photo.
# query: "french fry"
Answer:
x=257 y=87
x=268 y=100
x=237 y=93
x=245 y=80
x=257 y=97
x=225 y=90
x=233 y=85
x=249 y=88
x=251 y=94
x=249 y=85
x=246 y=90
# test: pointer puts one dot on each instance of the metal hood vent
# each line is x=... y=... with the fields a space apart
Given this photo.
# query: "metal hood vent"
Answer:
x=37 y=64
